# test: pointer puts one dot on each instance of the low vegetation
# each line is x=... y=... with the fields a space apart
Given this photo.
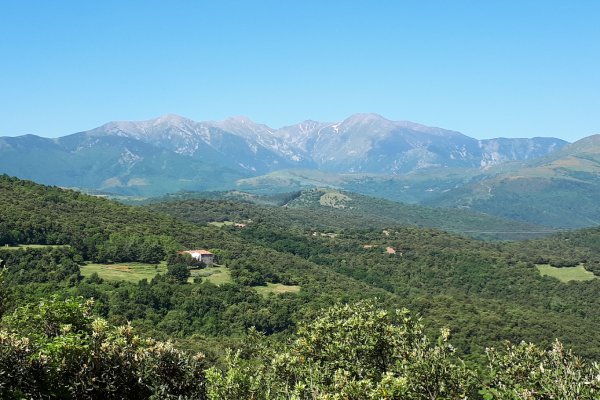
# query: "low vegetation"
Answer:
x=276 y=288
x=221 y=223
x=58 y=349
x=566 y=274
x=31 y=246
x=217 y=275
x=129 y=272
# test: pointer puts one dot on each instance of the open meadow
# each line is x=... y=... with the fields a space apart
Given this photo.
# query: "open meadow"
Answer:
x=129 y=271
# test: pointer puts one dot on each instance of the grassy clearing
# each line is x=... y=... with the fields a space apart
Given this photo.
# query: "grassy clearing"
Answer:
x=577 y=273
x=217 y=275
x=33 y=246
x=130 y=272
x=334 y=199
x=276 y=288
x=220 y=224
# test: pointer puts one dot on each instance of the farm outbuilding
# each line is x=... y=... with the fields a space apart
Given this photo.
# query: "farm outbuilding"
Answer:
x=204 y=256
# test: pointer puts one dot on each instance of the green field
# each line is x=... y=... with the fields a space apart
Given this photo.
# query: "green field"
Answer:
x=221 y=224
x=276 y=288
x=33 y=246
x=577 y=273
x=217 y=275
x=130 y=271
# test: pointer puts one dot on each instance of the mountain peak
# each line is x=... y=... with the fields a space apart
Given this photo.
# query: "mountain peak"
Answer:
x=590 y=144
x=171 y=118
x=362 y=118
x=242 y=125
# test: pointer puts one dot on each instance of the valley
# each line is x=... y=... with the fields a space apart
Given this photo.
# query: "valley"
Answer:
x=283 y=259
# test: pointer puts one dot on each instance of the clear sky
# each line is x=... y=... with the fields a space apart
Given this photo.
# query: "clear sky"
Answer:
x=486 y=68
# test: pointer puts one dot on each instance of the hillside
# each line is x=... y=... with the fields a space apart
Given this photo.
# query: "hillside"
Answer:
x=112 y=164
x=326 y=208
x=559 y=190
x=415 y=187
x=484 y=292
x=352 y=205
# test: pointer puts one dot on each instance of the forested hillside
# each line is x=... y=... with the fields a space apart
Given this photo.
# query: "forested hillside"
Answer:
x=277 y=272
x=335 y=209
x=444 y=277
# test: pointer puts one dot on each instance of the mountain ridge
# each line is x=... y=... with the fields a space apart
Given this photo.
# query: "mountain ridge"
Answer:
x=325 y=138
x=172 y=153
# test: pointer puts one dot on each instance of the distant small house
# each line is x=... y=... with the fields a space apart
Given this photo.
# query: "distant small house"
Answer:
x=390 y=250
x=238 y=225
x=204 y=256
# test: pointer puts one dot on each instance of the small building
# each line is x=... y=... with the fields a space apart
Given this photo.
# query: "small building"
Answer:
x=239 y=225
x=203 y=256
x=390 y=250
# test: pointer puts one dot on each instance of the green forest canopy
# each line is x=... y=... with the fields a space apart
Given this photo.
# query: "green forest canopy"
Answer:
x=484 y=293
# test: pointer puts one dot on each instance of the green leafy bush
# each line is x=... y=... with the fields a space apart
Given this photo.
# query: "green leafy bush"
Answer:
x=57 y=350
x=349 y=352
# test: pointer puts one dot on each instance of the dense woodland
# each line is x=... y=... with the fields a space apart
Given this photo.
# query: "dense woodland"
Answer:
x=478 y=294
x=335 y=209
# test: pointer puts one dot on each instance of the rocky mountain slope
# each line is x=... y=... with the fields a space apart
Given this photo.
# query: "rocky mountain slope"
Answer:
x=172 y=153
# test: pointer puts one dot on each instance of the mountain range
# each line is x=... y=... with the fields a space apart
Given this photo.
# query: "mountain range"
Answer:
x=542 y=181
x=171 y=152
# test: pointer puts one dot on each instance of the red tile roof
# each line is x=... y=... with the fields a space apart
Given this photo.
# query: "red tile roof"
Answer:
x=197 y=251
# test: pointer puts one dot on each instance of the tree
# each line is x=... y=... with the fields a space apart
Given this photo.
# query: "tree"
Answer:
x=178 y=272
x=57 y=350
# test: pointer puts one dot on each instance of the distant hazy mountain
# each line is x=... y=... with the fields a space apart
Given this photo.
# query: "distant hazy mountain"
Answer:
x=560 y=189
x=172 y=153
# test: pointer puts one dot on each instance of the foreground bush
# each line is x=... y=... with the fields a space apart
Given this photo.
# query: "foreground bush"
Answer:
x=57 y=350
x=349 y=352
x=526 y=371
x=359 y=352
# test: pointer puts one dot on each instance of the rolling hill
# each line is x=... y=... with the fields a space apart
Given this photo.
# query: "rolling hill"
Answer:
x=323 y=208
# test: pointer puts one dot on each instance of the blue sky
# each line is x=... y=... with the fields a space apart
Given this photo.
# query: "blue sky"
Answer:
x=485 y=68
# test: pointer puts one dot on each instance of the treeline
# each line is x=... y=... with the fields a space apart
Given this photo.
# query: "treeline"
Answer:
x=305 y=211
x=565 y=249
